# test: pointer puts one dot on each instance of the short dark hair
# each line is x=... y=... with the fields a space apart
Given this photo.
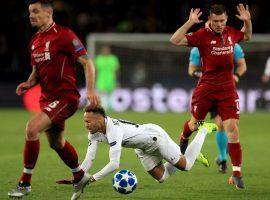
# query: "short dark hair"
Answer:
x=218 y=9
x=96 y=110
x=47 y=3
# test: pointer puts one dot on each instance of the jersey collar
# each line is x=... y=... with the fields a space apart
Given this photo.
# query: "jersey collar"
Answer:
x=210 y=30
x=49 y=28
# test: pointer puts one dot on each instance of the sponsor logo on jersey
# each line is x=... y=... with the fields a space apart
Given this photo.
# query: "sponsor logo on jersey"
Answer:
x=46 y=55
x=213 y=42
x=225 y=50
x=113 y=143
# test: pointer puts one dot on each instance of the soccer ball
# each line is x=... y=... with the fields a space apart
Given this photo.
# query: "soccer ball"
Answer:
x=124 y=181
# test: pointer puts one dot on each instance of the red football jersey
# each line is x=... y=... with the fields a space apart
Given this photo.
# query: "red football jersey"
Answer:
x=216 y=51
x=54 y=53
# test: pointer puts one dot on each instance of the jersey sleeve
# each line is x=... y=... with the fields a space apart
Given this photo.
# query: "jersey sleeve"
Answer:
x=238 y=35
x=114 y=135
x=193 y=38
x=73 y=45
x=238 y=52
x=194 y=57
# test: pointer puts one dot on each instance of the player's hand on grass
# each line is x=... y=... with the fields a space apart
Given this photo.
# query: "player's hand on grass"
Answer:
x=65 y=181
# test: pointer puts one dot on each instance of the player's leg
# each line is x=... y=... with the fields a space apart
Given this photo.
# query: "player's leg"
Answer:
x=200 y=105
x=194 y=148
x=34 y=127
x=229 y=112
x=189 y=127
x=153 y=165
x=66 y=152
x=70 y=157
x=222 y=144
x=235 y=151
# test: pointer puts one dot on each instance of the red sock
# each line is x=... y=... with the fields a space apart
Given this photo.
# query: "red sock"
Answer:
x=69 y=155
x=235 y=153
x=31 y=151
x=78 y=175
x=186 y=132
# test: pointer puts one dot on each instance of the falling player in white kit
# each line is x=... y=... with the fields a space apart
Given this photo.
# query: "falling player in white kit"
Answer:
x=151 y=143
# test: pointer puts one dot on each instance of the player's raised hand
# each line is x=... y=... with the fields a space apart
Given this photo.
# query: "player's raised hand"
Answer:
x=243 y=12
x=22 y=88
x=93 y=98
x=194 y=15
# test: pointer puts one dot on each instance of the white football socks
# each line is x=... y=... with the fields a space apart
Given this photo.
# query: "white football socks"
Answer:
x=194 y=148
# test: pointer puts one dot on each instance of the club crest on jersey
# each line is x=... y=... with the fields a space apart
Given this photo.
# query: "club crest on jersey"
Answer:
x=112 y=144
x=47 y=44
x=78 y=46
x=230 y=40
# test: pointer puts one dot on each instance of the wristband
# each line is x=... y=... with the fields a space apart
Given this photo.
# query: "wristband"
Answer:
x=196 y=73
x=236 y=74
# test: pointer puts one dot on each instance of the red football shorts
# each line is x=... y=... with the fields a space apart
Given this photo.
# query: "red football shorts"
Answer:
x=58 y=111
x=225 y=102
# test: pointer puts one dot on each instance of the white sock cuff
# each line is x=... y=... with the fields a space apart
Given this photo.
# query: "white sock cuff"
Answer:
x=76 y=169
x=236 y=168
x=165 y=175
x=28 y=171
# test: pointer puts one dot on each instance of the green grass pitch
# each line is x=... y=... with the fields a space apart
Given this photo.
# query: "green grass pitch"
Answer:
x=199 y=183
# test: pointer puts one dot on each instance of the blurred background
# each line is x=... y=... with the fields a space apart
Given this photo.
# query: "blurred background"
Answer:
x=151 y=72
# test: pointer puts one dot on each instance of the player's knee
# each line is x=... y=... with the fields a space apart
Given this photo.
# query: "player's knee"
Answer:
x=192 y=126
x=233 y=127
x=31 y=131
x=220 y=126
x=56 y=145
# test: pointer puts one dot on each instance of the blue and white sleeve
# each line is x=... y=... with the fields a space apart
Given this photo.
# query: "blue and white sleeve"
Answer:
x=194 y=57
x=238 y=52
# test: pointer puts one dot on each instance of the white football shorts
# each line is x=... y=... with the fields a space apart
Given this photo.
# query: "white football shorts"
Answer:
x=166 y=148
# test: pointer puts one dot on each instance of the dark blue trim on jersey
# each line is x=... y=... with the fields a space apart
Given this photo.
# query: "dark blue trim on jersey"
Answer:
x=79 y=48
x=113 y=143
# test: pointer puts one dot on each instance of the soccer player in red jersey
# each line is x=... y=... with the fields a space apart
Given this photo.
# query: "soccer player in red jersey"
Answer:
x=216 y=88
x=54 y=52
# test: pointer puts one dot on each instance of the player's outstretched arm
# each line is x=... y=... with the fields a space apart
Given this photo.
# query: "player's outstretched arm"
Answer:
x=89 y=72
x=178 y=38
x=244 y=15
